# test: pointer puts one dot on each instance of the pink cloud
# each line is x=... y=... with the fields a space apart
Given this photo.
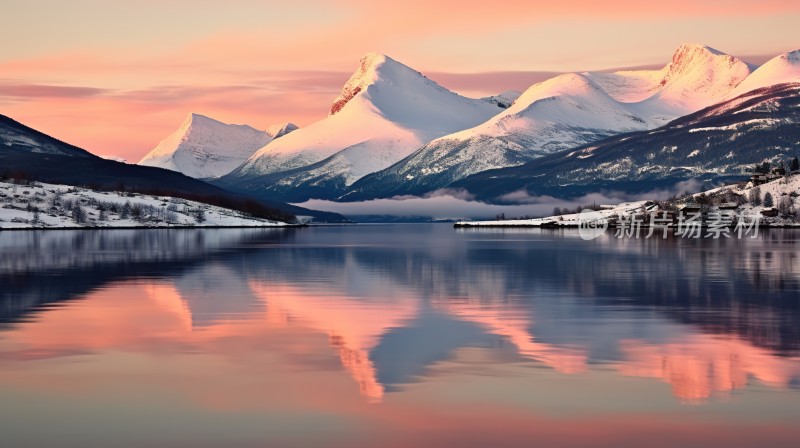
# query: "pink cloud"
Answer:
x=46 y=91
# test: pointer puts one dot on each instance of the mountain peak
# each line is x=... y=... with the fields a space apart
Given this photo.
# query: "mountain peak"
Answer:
x=696 y=48
x=193 y=120
x=371 y=68
x=698 y=76
x=374 y=59
x=696 y=57
x=193 y=116
x=204 y=147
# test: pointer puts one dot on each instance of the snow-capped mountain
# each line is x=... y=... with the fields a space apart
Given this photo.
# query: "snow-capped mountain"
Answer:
x=385 y=111
x=203 y=147
x=720 y=143
x=561 y=113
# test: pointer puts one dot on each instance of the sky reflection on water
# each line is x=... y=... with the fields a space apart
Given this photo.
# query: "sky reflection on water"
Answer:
x=391 y=335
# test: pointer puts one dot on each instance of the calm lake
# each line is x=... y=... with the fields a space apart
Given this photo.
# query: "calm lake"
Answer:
x=397 y=336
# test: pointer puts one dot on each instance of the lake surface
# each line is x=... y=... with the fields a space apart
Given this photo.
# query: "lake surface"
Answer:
x=397 y=336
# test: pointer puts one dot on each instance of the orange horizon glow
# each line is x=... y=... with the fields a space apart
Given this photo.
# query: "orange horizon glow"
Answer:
x=116 y=79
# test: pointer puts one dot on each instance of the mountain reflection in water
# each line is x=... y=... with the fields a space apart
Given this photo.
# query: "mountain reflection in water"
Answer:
x=238 y=319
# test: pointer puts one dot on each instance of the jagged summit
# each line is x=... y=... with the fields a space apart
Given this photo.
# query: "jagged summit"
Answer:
x=365 y=74
x=380 y=81
x=374 y=68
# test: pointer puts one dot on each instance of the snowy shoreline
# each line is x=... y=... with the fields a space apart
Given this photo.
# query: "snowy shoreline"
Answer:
x=41 y=206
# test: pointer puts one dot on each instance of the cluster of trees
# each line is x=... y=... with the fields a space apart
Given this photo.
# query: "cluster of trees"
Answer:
x=145 y=212
x=85 y=210
x=248 y=206
x=571 y=211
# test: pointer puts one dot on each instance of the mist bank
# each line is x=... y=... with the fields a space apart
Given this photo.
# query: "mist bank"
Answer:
x=451 y=204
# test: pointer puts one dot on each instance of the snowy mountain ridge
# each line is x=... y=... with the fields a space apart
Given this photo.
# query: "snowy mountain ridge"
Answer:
x=392 y=131
x=572 y=110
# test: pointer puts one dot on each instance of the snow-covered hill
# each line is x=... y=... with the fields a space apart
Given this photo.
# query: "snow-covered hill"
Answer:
x=203 y=147
x=385 y=111
x=40 y=205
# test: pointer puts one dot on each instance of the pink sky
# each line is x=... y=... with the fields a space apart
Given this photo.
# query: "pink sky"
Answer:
x=116 y=79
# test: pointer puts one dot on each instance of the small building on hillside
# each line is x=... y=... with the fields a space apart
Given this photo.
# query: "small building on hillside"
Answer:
x=758 y=179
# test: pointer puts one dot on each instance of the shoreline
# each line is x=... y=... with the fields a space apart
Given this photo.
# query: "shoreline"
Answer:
x=23 y=229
